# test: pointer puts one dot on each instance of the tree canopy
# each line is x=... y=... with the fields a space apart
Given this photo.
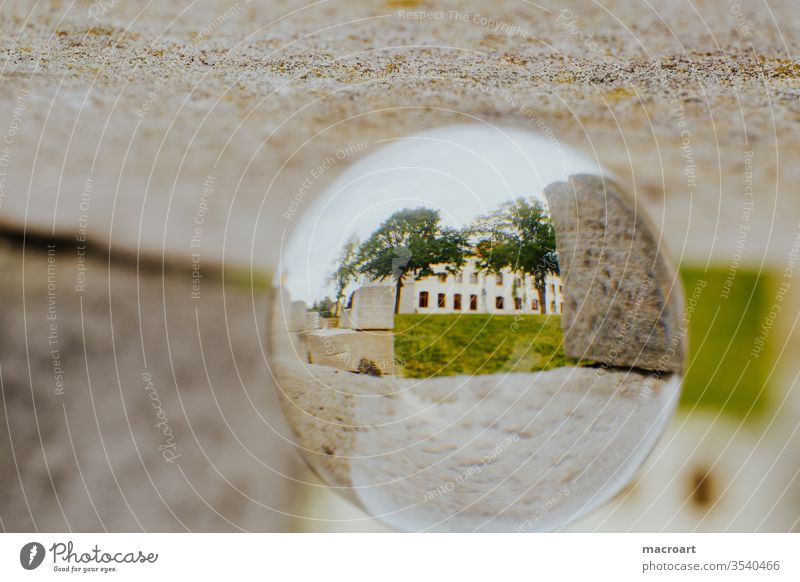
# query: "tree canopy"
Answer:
x=324 y=307
x=410 y=242
x=345 y=271
x=518 y=236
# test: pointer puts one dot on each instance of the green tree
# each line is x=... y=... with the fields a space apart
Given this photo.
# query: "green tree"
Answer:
x=346 y=270
x=409 y=243
x=324 y=307
x=519 y=236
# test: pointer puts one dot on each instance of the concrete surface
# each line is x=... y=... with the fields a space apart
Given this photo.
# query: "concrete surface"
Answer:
x=195 y=132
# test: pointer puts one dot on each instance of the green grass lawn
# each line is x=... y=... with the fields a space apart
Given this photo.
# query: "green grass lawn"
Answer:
x=722 y=374
x=444 y=345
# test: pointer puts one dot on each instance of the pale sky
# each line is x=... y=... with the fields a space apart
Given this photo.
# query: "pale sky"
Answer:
x=462 y=171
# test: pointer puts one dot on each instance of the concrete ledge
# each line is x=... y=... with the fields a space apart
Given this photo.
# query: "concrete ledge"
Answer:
x=129 y=405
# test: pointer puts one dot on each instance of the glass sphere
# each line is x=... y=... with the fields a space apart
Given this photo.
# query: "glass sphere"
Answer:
x=474 y=329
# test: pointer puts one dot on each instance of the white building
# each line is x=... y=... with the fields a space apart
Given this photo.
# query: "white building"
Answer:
x=473 y=291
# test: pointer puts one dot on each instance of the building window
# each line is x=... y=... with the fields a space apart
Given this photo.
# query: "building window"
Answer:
x=423 y=298
x=560 y=288
x=473 y=278
x=552 y=307
x=517 y=283
x=499 y=278
x=552 y=289
x=535 y=305
x=517 y=303
x=441 y=300
x=498 y=302
x=442 y=277
x=561 y=308
x=457 y=302
x=473 y=303
x=459 y=277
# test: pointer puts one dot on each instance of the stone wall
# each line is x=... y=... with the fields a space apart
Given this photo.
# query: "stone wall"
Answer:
x=130 y=406
x=363 y=342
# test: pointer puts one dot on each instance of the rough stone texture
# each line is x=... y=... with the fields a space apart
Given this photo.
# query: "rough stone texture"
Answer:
x=146 y=101
x=318 y=404
x=345 y=349
x=486 y=453
x=263 y=97
x=373 y=308
x=134 y=350
x=622 y=301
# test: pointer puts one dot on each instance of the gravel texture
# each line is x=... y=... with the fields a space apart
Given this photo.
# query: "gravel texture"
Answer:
x=149 y=100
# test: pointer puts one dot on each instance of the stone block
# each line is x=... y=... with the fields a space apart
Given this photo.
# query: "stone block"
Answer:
x=345 y=321
x=351 y=350
x=622 y=302
x=373 y=308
